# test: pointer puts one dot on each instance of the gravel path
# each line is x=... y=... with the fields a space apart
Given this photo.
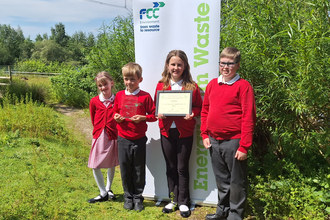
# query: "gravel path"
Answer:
x=81 y=120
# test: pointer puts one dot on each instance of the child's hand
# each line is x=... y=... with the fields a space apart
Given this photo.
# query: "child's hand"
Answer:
x=189 y=117
x=138 y=118
x=240 y=155
x=160 y=116
x=118 y=118
x=207 y=143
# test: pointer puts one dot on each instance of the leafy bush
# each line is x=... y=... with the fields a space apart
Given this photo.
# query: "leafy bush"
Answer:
x=285 y=49
x=42 y=66
x=19 y=90
x=296 y=198
x=114 y=48
x=31 y=119
x=74 y=88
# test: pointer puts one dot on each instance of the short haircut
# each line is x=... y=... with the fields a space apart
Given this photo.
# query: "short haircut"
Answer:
x=132 y=69
x=231 y=53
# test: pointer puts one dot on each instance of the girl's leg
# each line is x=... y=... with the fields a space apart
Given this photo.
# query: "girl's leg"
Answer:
x=100 y=181
x=110 y=176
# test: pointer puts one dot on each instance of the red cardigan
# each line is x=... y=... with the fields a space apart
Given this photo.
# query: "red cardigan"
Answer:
x=185 y=127
x=229 y=112
x=145 y=106
x=102 y=117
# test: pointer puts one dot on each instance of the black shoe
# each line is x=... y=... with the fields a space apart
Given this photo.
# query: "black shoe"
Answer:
x=138 y=206
x=185 y=214
x=99 y=198
x=112 y=196
x=128 y=205
x=166 y=210
x=215 y=217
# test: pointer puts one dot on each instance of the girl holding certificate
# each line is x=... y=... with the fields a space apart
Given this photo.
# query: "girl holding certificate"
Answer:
x=177 y=131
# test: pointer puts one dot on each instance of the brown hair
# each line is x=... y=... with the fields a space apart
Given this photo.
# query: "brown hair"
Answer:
x=231 y=53
x=102 y=76
x=132 y=69
x=188 y=83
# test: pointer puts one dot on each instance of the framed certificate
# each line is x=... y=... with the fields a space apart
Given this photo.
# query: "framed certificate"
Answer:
x=174 y=102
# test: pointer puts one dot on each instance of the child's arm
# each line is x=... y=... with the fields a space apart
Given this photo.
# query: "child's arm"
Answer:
x=92 y=109
x=197 y=102
x=248 y=119
x=150 y=110
x=204 y=114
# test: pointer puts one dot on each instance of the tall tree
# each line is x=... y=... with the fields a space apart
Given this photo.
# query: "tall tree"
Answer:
x=10 y=41
x=58 y=34
x=114 y=48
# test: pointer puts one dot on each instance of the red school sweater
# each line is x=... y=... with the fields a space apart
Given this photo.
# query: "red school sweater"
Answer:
x=145 y=106
x=229 y=112
x=185 y=127
x=102 y=117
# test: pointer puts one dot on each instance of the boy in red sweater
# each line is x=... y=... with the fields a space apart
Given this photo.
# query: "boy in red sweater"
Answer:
x=228 y=118
x=133 y=108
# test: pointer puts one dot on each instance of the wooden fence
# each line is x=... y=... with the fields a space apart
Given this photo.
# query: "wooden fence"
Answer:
x=11 y=73
x=7 y=78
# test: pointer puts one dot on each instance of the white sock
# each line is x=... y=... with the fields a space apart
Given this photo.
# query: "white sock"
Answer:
x=183 y=208
x=171 y=205
x=111 y=174
x=100 y=181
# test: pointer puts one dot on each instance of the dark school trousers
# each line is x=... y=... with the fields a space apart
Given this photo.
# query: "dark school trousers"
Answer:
x=177 y=152
x=132 y=162
x=231 y=178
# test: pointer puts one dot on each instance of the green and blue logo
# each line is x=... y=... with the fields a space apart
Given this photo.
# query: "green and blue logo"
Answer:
x=151 y=12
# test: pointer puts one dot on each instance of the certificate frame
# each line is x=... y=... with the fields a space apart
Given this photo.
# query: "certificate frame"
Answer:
x=174 y=102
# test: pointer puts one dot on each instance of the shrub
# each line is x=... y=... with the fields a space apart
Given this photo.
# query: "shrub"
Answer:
x=73 y=88
x=31 y=119
x=19 y=90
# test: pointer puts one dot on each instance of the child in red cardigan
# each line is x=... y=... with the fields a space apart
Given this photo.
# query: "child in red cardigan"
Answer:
x=133 y=108
x=228 y=118
x=104 y=152
x=177 y=132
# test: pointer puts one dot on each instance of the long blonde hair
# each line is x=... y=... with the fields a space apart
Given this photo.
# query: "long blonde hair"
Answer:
x=188 y=83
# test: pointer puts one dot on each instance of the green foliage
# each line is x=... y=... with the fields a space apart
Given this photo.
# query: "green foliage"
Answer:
x=59 y=35
x=31 y=119
x=114 y=48
x=50 y=50
x=285 y=50
x=296 y=198
x=10 y=41
x=73 y=88
x=10 y=140
x=42 y=66
x=21 y=91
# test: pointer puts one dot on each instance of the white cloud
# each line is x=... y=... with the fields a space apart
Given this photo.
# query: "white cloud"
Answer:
x=60 y=10
x=38 y=16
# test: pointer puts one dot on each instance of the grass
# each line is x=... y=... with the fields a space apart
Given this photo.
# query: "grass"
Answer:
x=49 y=179
x=44 y=174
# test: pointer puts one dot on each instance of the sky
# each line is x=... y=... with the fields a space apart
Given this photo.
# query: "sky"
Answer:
x=39 y=16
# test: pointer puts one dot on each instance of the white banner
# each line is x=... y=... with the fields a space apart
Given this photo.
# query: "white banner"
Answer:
x=194 y=27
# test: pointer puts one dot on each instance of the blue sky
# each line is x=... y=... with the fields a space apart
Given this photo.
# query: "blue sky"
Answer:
x=38 y=16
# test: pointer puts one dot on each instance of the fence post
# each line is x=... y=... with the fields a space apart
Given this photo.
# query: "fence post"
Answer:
x=9 y=70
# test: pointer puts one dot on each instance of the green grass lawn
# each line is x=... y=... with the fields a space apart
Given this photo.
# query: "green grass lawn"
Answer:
x=49 y=179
